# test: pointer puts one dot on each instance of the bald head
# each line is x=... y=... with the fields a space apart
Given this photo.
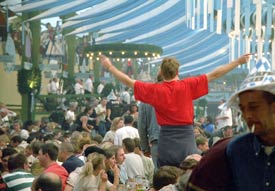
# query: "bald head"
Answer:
x=47 y=182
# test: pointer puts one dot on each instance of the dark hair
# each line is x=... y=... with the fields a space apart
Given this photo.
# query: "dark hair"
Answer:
x=16 y=139
x=8 y=152
x=209 y=119
x=17 y=161
x=128 y=119
x=48 y=182
x=129 y=144
x=48 y=137
x=226 y=127
x=93 y=149
x=87 y=108
x=269 y=97
x=50 y=149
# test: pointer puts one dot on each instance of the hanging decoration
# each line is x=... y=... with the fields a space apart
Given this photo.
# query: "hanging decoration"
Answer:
x=120 y=50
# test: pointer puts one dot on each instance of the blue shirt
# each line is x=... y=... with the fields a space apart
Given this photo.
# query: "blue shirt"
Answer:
x=252 y=169
x=148 y=127
x=209 y=127
x=72 y=163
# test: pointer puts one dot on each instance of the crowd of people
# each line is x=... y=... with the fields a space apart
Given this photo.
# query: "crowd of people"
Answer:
x=152 y=143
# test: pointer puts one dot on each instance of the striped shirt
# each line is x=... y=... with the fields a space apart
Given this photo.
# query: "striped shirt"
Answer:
x=18 y=180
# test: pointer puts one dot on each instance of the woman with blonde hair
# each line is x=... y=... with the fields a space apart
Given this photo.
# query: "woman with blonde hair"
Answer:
x=93 y=176
x=116 y=124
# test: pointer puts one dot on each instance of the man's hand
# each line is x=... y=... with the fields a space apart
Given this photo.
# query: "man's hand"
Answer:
x=105 y=61
x=244 y=58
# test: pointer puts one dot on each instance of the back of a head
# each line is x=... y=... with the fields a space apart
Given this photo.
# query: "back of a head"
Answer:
x=66 y=147
x=166 y=175
x=17 y=161
x=36 y=145
x=129 y=144
x=48 y=182
x=137 y=143
x=128 y=119
x=16 y=139
x=50 y=149
x=169 y=68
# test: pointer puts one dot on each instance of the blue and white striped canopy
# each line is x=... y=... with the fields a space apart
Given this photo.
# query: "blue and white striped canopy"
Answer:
x=184 y=29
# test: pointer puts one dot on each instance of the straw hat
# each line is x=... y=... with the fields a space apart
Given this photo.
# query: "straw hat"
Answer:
x=261 y=77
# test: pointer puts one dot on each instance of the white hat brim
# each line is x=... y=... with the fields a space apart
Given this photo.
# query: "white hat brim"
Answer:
x=234 y=99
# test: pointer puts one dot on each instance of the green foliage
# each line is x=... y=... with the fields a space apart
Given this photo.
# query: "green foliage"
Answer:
x=202 y=102
x=29 y=81
x=200 y=109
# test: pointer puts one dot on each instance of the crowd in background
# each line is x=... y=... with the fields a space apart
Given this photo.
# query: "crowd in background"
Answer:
x=105 y=135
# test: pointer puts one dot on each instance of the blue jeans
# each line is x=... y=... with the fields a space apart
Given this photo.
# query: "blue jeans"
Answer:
x=154 y=153
x=102 y=128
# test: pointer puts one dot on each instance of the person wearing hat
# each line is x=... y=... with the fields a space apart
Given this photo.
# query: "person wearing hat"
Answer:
x=225 y=115
x=173 y=103
x=247 y=161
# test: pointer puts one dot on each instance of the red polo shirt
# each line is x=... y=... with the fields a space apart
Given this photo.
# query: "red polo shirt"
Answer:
x=173 y=101
x=60 y=171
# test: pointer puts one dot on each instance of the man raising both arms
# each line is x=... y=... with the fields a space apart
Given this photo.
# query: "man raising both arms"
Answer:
x=173 y=103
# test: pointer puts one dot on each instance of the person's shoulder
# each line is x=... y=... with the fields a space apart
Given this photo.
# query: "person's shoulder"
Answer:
x=119 y=131
x=243 y=138
x=240 y=142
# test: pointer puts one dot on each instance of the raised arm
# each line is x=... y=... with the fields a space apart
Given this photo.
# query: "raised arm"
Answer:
x=222 y=70
x=123 y=78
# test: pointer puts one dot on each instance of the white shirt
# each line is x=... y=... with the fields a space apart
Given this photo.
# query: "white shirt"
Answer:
x=125 y=132
x=100 y=88
x=70 y=115
x=89 y=85
x=78 y=88
x=125 y=97
x=99 y=109
x=54 y=87
x=49 y=88
x=133 y=165
x=225 y=112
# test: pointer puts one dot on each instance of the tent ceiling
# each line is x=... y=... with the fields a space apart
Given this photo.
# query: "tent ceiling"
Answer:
x=158 y=22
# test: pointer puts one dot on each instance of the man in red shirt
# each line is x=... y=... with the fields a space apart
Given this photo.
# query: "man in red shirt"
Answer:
x=173 y=103
x=47 y=157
